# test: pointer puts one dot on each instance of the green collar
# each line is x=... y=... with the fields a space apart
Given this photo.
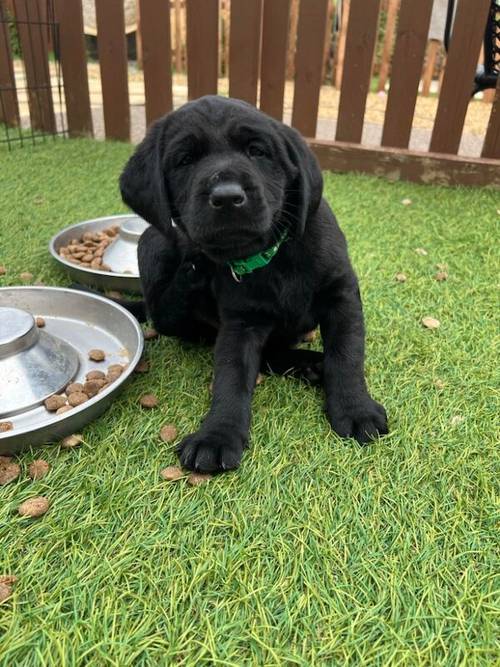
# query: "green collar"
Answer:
x=241 y=266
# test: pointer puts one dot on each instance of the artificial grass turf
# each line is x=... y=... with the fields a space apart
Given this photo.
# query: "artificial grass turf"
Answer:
x=316 y=551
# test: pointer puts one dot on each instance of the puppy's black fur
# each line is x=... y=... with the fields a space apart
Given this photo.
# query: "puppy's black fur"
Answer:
x=231 y=180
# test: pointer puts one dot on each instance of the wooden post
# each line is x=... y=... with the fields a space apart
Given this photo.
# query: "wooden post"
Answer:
x=178 y=36
x=9 y=109
x=138 y=37
x=433 y=47
x=292 y=39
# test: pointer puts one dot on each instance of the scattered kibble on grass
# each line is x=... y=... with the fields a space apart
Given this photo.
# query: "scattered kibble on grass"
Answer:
x=38 y=469
x=150 y=334
x=9 y=471
x=406 y=201
x=71 y=441
x=456 y=420
x=421 y=251
x=168 y=433
x=97 y=355
x=172 y=473
x=148 y=401
x=439 y=384
x=431 y=323
x=8 y=579
x=40 y=322
x=441 y=275
x=34 y=507
x=198 y=478
x=6 y=426
x=3 y=270
x=5 y=592
x=26 y=276
x=400 y=277
x=142 y=366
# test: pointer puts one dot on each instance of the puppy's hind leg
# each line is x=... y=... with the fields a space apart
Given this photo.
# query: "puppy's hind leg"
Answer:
x=304 y=364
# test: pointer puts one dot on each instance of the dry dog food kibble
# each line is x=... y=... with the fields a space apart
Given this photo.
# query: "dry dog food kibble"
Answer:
x=8 y=579
x=65 y=408
x=74 y=387
x=34 y=507
x=77 y=398
x=168 y=433
x=38 y=469
x=172 y=473
x=53 y=403
x=95 y=375
x=26 y=276
x=5 y=592
x=3 y=270
x=97 y=355
x=91 y=388
x=150 y=334
x=198 y=478
x=72 y=441
x=87 y=251
x=40 y=322
x=8 y=471
x=6 y=426
x=148 y=401
x=115 y=368
x=142 y=366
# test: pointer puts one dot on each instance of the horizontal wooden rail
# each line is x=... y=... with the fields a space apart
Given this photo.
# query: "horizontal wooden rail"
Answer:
x=398 y=164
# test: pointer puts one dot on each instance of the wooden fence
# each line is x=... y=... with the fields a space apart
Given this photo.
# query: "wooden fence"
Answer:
x=258 y=51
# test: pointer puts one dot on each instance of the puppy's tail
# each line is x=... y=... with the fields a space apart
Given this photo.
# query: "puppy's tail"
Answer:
x=136 y=308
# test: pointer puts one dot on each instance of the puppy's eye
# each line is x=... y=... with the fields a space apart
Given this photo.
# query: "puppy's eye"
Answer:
x=254 y=150
x=185 y=159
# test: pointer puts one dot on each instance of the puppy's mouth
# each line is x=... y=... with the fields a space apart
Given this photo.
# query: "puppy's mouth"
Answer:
x=223 y=250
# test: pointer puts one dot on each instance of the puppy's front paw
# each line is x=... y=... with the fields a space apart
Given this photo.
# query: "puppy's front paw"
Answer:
x=364 y=419
x=211 y=451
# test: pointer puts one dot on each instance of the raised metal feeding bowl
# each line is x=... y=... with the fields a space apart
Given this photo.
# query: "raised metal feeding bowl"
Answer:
x=38 y=362
x=120 y=255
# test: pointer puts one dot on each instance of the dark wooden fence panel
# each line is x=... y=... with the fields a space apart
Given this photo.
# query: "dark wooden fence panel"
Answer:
x=74 y=67
x=34 y=46
x=407 y=63
x=112 y=48
x=491 y=146
x=468 y=33
x=274 y=51
x=244 y=49
x=156 y=57
x=9 y=109
x=309 y=65
x=202 y=25
x=360 y=45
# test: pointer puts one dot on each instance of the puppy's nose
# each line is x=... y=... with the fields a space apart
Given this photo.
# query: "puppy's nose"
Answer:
x=227 y=195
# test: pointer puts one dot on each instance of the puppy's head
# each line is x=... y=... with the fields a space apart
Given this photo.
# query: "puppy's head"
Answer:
x=232 y=178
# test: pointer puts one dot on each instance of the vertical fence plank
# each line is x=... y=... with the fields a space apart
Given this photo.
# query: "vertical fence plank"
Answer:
x=491 y=146
x=202 y=27
x=156 y=57
x=360 y=45
x=409 y=53
x=178 y=36
x=112 y=49
x=244 y=49
x=33 y=36
x=430 y=65
x=9 y=109
x=309 y=65
x=466 y=38
x=274 y=50
x=390 y=27
x=74 y=67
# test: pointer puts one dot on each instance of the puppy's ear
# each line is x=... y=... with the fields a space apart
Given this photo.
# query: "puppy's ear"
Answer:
x=304 y=193
x=142 y=183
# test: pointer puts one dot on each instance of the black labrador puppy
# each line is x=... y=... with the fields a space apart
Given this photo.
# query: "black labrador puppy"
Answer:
x=244 y=251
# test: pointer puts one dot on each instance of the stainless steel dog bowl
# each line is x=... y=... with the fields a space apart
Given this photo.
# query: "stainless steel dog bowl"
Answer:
x=121 y=255
x=33 y=363
x=75 y=322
